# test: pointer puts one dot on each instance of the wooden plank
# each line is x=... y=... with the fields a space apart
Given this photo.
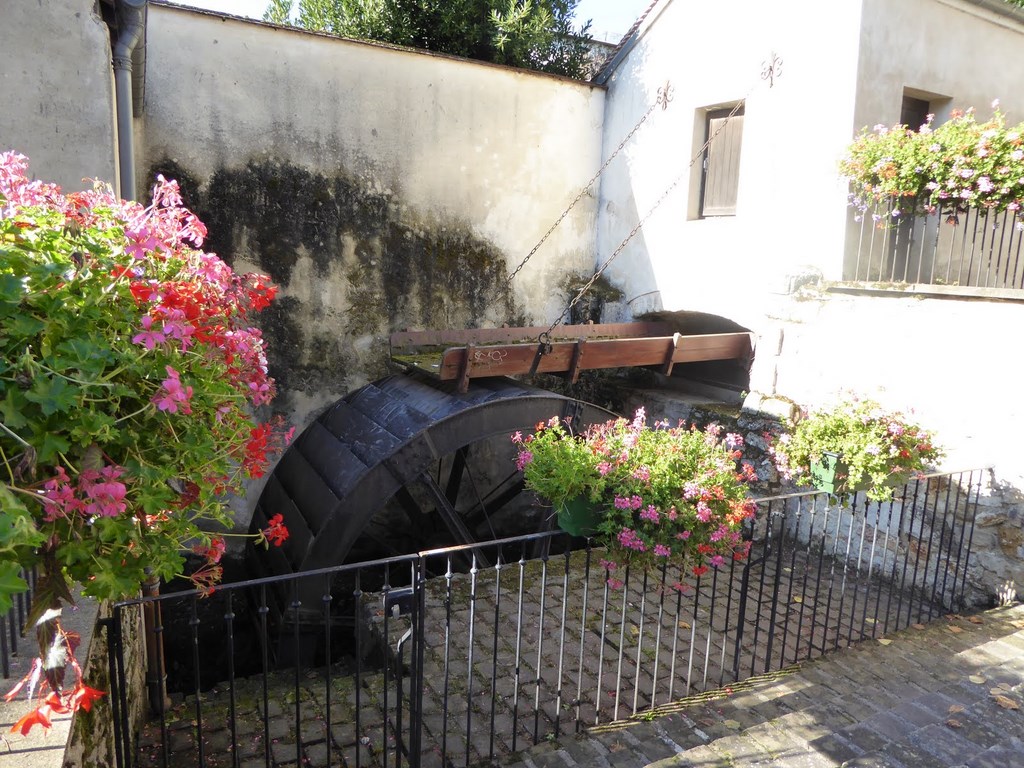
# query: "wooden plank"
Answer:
x=670 y=353
x=577 y=360
x=408 y=339
x=516 y=359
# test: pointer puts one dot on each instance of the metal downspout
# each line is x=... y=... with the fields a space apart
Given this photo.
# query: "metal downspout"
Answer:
x=132 y=23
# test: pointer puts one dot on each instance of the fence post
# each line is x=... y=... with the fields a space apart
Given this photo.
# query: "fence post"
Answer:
x=118 y=693
x=419 y=614
x=156 y=676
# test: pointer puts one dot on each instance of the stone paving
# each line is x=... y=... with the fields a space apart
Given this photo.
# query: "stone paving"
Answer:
x=944 y=695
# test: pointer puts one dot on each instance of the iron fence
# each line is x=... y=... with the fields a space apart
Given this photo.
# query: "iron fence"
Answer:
x=11 y=622
x=970 y=248
x=433 y=659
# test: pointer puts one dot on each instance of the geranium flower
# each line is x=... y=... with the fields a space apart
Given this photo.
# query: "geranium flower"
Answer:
x=276 y=532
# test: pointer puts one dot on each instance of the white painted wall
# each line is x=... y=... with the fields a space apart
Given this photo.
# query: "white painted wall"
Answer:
x=56 y=90
x=790 y=210
x=845 y=65
x=957 y=49
x=501 y=150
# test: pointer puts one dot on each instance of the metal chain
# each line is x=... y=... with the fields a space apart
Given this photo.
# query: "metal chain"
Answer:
x=664 y=97
x=639 y=225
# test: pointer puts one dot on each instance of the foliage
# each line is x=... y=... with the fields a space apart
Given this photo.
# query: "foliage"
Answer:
x=128 y=380
x=957 y=165
x=877 y=445
x=535 y=34
x=666 y=494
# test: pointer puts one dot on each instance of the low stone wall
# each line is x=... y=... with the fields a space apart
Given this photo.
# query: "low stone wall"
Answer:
x=91 y=742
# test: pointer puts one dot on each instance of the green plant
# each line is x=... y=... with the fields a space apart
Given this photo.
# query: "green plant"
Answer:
x=128 y=383
x=878 y=446
x=665 y=494
x=535 y=34
x=957 y=165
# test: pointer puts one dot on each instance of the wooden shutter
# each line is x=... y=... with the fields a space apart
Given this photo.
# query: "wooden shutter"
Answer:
x=722 y=163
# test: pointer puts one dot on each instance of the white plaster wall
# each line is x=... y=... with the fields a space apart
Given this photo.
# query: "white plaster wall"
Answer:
x=953 y=362
x=947 y=359
x=953 y=48
x=502 y=151
x=56 y=90
x=790 y=210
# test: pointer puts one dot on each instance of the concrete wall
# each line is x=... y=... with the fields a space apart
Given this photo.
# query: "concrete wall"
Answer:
x=382 y=189
x=791 y=205
x=57 y=109
x=947 y=360
x=955 y=53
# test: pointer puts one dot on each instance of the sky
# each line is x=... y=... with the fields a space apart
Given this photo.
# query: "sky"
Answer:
x=611 y=18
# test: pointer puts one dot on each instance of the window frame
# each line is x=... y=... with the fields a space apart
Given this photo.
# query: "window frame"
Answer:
x=730 y=165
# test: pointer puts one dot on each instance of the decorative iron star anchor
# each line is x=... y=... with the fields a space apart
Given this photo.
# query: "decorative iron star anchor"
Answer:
x=772 y=69
x=665 y=95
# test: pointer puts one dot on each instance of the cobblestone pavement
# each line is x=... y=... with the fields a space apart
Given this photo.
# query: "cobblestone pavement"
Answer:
x=944 y=695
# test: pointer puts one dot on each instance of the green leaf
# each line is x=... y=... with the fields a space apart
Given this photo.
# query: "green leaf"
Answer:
x=52 y=445
x=12 y=409
x=11 y=290
x=54 y=394
x=11 y=584
x=22 y=325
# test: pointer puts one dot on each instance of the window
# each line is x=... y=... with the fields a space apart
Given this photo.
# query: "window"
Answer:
x=914 y=112
x=721 y=169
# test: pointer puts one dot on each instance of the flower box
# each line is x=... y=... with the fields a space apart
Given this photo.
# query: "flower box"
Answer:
x=830 y=473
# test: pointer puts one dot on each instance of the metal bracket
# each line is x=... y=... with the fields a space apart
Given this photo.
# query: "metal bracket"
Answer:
x=400 y=602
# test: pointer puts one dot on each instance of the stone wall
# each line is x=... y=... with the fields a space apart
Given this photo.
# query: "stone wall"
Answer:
x=381 y=188
x=91 y=742
x=58 y=109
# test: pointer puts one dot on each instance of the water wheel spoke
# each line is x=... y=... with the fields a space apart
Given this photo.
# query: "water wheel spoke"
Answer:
x=458 y=470
x=450 y=515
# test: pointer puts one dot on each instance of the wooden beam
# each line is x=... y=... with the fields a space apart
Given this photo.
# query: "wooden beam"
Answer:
x=407 y=339
x=466 y=356
x=464 y=363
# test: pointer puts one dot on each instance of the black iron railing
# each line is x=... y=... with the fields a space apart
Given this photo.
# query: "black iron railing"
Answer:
x=11 y=623
x=968 y=248
x=433 y=660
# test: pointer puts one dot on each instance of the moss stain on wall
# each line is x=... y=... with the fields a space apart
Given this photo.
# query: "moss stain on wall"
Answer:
x=353 y=264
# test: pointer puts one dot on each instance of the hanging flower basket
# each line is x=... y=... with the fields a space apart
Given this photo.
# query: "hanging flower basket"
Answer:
x=579 y=517
x=855 y=446
x=831 y=474
x=653 y=496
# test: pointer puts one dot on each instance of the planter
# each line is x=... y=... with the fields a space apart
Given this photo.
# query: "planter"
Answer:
x=831 y=473
x=579 y=517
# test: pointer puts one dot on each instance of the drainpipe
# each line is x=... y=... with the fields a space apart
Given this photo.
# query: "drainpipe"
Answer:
x=131 y=25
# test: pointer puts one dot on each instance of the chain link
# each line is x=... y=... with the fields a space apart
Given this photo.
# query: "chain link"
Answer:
x=639 y=225
x=664 y=97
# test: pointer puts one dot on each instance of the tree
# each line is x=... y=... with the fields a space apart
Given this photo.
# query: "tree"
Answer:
x=534 y=34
